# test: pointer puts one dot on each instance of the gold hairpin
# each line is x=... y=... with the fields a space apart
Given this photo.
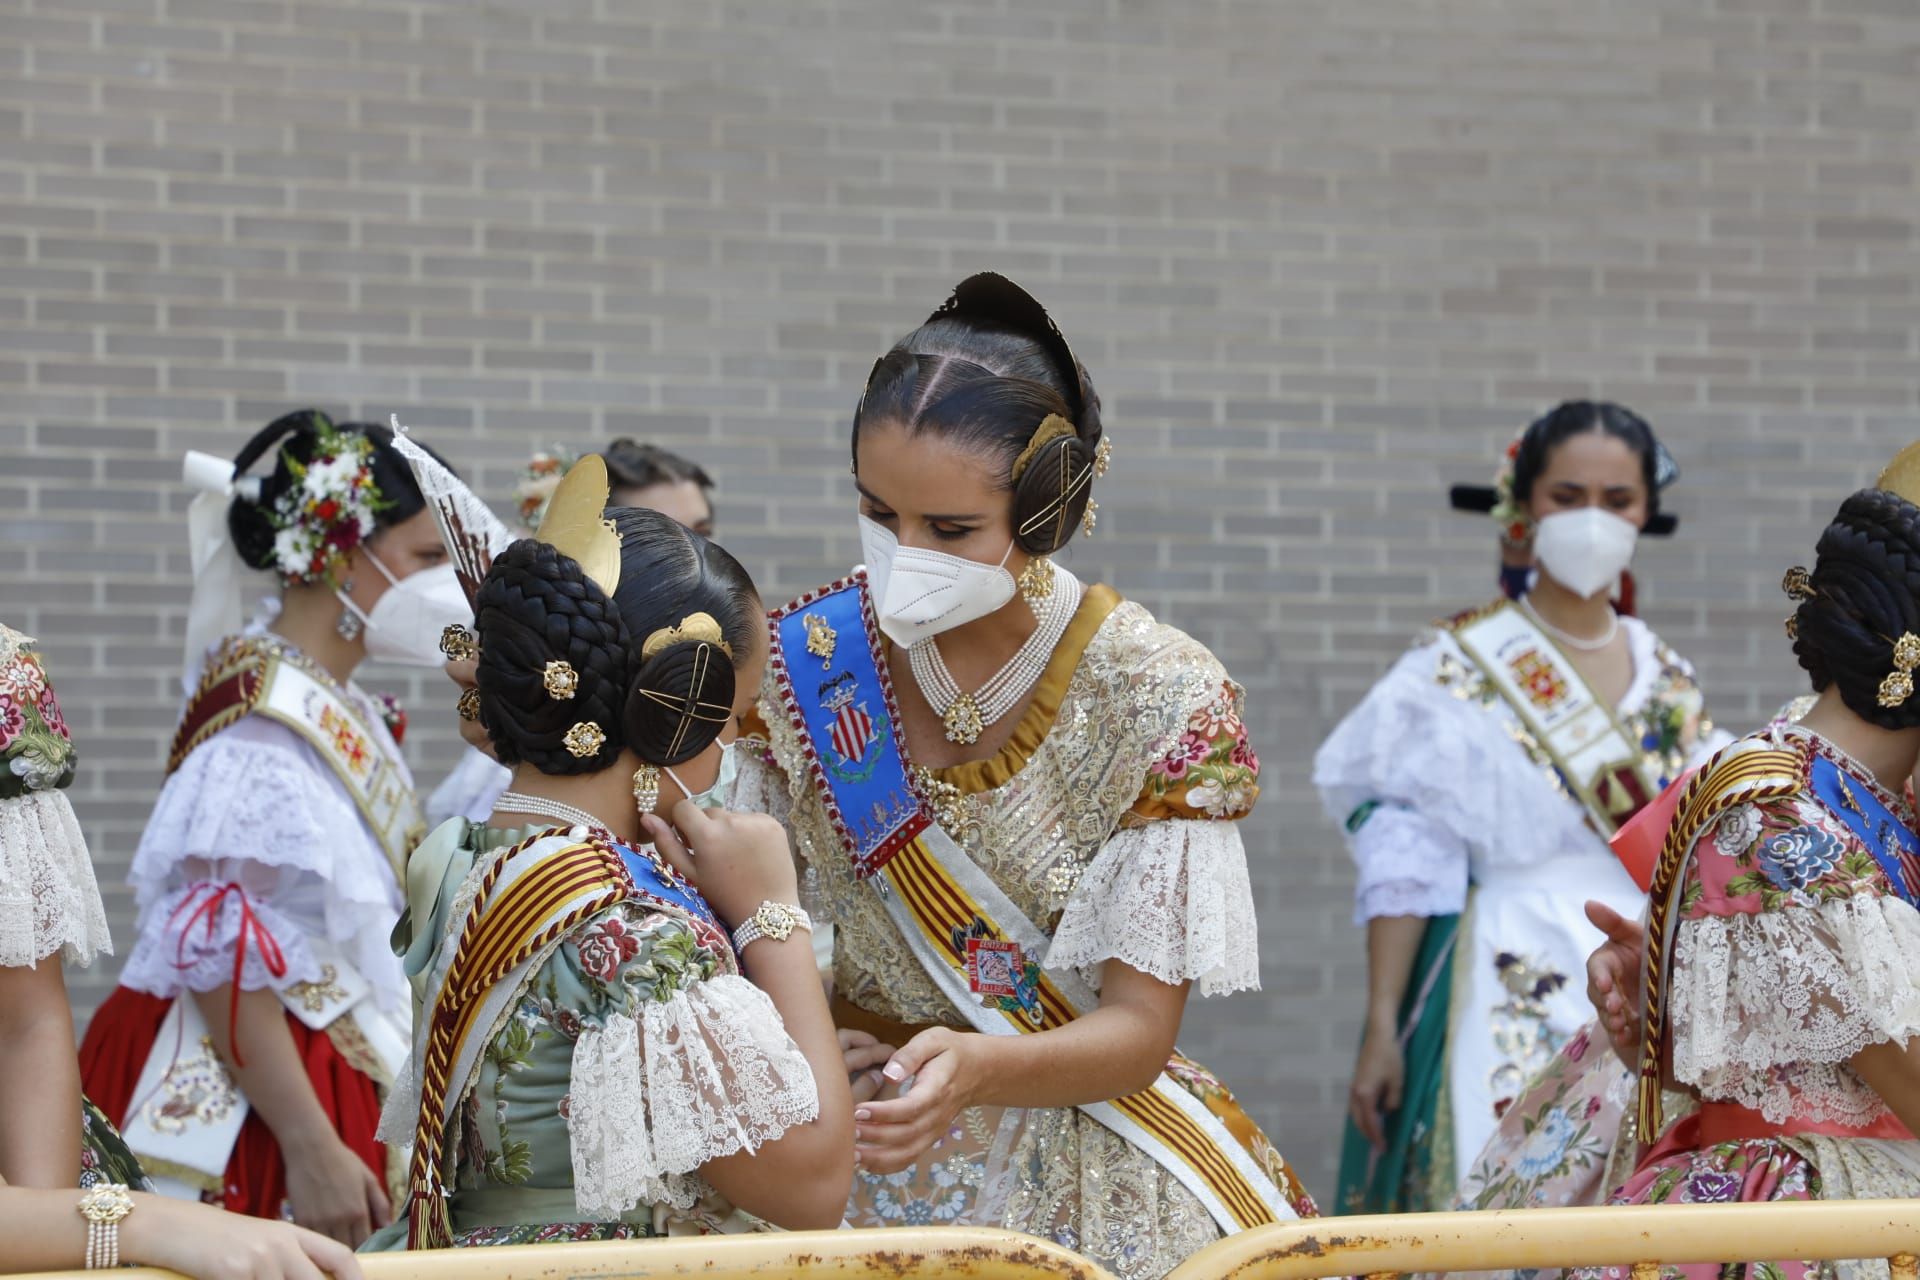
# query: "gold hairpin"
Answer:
x=561 y=680
x=1798 y=583
x=469 y=705
x=689 y=705
x=576 y=524
x=458 y=643
x=584 y=739
x=702 y=627
x=1898 y=686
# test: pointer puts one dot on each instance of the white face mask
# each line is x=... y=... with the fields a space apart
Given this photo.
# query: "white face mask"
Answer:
x=919 y=594
x=406 y=621
x=1585 y=551
x=717 y=795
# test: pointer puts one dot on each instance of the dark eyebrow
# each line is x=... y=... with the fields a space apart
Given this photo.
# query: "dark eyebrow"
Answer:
x=875 y=499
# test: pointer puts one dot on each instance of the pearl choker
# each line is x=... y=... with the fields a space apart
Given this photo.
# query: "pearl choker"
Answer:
x=967 y=715
x=1583 y=643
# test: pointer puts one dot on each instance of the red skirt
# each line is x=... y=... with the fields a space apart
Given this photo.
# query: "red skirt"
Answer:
x=115 y=1049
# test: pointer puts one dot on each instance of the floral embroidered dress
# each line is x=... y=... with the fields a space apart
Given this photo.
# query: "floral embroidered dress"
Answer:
x=1455 y=812
x=629 y=1056
x=258 y=868
x=49 y=902
x=1109 y=821
x=1797 y=947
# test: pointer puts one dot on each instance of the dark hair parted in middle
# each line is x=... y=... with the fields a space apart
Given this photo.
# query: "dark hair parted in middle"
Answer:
x=537 y=606
x=1579 y=417
x=1865 y=595
x=632 y=465
x=984 y=372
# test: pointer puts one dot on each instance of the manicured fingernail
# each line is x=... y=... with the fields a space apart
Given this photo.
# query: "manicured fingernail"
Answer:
x=894 y=1071
x=863 y=1114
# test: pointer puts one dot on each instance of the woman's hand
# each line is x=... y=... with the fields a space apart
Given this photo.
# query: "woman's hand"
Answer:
x=333 y=1192
x=1613 y=979
x=209 y=1244
x=739 y=860
x=865 y=1055
x=1379 y=1076
x=937 y=1071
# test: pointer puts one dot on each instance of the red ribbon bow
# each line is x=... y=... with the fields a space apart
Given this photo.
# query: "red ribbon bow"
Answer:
x=250 y=927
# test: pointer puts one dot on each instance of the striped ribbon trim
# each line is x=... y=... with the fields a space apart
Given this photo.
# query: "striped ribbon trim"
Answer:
x=939 y=906
x=496 y=936
x=1741 y=778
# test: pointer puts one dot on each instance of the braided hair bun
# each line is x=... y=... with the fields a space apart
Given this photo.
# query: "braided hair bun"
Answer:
x=1865 y=595
x=990 y=371
x=537 y=608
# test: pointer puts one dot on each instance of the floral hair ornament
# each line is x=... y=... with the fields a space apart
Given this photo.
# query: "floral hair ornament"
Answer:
x=576 y=524
x=458 y=643
x=538 y=480
x=561 y=680
x=1898 y=686
x=328 y=510
x=1516 y=524
x=584 y=740
x=1798 y=583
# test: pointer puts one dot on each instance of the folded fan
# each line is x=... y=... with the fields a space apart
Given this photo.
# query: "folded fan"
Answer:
x=472 y=533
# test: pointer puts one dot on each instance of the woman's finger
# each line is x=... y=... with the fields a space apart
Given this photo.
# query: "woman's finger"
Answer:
x=379 y=1212
x=850 y=1038
x=872 y=1055
x=332 y=1258
x=666 y=842
x=694 y=824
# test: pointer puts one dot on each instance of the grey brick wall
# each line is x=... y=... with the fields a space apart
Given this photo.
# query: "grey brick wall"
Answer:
x=1322 y=257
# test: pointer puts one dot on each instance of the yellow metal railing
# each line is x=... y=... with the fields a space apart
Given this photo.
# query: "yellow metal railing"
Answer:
x=1640 y=1238
x=1376 y=1248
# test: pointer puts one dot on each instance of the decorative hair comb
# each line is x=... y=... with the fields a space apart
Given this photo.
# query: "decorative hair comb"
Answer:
x=703 y=627
x=576 y=523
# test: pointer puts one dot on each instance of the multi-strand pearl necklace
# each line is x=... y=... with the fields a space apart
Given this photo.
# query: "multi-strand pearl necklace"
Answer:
x=521 y=802
x=967 y=715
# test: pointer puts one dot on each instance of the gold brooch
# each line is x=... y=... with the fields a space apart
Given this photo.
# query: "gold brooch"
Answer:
x=1798 y=583
x=820 y=638
x=584 y=740
x=1898 y=686
x=561 y=679
x=458 y=644
x=469 y=705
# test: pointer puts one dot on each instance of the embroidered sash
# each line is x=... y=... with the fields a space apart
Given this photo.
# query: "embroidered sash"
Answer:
x=527 y=902
x=1597 y=757
x=1740 y=775
x=255 y=675
x=979 y=949
x=1892 y=845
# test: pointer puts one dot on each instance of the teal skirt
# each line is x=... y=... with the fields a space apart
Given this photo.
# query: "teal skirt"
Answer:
x=1400 y=1179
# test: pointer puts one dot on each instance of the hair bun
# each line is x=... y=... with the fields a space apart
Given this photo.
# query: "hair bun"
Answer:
x=681 y=699
x=1865 y=595
x=1052 y=494
x=248 y=522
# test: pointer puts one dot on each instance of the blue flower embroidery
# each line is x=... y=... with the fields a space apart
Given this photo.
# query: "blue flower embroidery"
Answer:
x=1795 y=859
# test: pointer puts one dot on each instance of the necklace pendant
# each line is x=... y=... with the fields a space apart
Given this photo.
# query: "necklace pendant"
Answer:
x=962 y=720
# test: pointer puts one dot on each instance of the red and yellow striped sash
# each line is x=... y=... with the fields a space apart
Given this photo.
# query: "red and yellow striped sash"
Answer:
x=942 y=910
x=499 y=934
x=1734 y=779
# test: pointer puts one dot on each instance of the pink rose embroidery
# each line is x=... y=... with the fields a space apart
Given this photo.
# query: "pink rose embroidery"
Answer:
x=1189 y=751
x=607 y=946
x=12 y=719
x=49 y=708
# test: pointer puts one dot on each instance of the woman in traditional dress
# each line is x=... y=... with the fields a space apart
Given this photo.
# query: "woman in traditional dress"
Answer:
x=1016 y=797
x=261 y=1009
x=50 y=1135
x=595 y=1058
x=1783 y=980
x=1482 y=775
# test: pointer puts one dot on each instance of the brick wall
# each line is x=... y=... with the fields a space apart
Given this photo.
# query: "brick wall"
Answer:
x=1323 y=257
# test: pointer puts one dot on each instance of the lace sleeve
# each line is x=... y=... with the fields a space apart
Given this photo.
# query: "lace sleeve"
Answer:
x=1170 y=899
x=1407 y=864
x=661 y=1089
x=216 y=930
x=48 y=898
x=1789 y=959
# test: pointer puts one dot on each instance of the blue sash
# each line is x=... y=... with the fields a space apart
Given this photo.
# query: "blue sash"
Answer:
x=1893 y=846
x=830 y=671
x=675 y=892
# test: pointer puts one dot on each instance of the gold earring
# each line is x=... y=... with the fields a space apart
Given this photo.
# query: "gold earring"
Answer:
x=646 y=788
x=469 y=705
x=1036 y=580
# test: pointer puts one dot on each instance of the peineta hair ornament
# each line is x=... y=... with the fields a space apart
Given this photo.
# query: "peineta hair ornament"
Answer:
x=576 y=523
x=703 y=628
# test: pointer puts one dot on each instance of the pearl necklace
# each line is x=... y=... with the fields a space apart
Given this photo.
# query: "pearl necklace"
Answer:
x=1567 y=638
x=967 y=715
x=521 y=802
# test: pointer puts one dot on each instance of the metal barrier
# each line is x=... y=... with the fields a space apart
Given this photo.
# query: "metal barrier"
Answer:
x=896 y=1253
x=1640 y=1238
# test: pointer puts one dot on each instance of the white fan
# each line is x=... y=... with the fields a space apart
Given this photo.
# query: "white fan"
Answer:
x=472 y=533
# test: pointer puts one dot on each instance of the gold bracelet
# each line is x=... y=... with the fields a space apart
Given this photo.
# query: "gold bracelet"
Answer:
x=103 y=1206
